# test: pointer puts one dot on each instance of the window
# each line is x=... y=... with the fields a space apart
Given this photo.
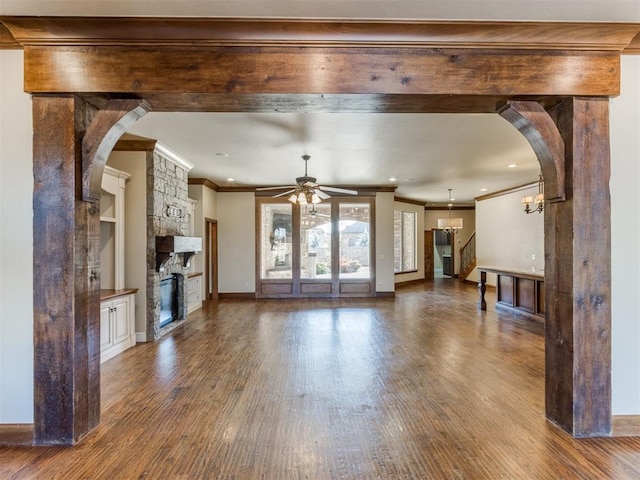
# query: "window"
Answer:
x=354 y=240
x=319 y=250
x=277 y=240
x=404 y=241
x=315 y=241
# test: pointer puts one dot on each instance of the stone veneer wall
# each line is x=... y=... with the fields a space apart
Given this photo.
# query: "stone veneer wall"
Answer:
x=167 y=214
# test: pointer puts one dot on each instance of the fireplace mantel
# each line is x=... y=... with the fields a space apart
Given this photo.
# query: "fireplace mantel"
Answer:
x=170 y=245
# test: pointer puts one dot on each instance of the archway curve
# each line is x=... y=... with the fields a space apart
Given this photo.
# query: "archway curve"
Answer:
x=218 y=65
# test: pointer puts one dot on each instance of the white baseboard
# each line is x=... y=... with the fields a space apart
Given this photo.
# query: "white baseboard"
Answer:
x=141 y=337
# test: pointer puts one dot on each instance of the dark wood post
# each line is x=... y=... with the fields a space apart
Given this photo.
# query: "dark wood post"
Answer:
x=66 y=277
x=578 y=275
x=482 y=289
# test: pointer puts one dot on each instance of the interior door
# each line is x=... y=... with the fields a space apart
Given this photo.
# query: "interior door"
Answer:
x=211 y=260
x=429 y=266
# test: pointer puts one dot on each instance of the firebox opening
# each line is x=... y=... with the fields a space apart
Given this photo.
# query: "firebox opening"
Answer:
x=168 y=300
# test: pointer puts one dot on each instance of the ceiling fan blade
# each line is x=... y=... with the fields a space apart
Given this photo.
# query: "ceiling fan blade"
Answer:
x=284 y=193
x=276 y=188
x=322 y=195
x=338 y=190
x=310 y=185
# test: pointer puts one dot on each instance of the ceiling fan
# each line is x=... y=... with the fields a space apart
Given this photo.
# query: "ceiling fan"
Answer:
x=307 y=190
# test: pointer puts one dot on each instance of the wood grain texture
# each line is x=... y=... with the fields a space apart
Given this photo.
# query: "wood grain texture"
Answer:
x=66 y=277
x=533 y=121
x=7 y=42
x=578 y=272
x=327 y=103
x=423 y=387
x=314 y=32
x=104 y=131
x=319 y=70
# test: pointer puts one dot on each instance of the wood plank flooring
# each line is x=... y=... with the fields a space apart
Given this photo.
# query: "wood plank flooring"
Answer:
x=425 y=386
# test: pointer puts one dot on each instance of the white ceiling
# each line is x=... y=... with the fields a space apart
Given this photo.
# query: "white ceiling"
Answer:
x=548 y=10
x=426 y=153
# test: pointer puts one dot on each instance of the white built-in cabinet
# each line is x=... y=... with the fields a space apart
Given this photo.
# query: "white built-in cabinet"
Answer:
x=194 y=279
x=194 y=292
x=117 y=304
x=117 y=324
x=112 y=228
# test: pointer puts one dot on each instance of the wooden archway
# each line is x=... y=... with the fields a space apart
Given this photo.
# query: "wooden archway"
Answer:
x=550 y=80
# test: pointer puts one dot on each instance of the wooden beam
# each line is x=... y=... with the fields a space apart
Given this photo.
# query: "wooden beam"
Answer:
x=83 y=31
x=578 y=276
x=327 y=103
x=316 y=70
x=135 y=145
x=533 y=121
x=66 y=280
x=7 y=42
x=103 y=133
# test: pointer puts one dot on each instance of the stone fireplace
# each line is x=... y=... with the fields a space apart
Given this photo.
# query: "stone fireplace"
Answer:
x=167 y=215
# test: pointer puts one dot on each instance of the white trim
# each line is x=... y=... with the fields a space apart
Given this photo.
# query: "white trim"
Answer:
x=116 y=173
x=141 y=337
x=173 y=157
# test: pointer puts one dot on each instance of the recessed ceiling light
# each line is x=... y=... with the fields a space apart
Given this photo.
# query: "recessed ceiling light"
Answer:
x=231 y=179
x=483 y=189
x=392 y=179
x=221 y=154
x=512 y=165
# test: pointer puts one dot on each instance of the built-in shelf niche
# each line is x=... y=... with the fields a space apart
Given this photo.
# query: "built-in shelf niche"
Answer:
x=112 y=229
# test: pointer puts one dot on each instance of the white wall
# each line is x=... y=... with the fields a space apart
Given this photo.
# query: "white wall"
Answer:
x=419 y=211
x=625 y=240
x=135 y=231
x=236 y=242
x=385 y=278
x=506 y=237
x=16 y=243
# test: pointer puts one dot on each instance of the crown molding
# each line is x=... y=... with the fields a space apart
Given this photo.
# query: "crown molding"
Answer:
x=116 y=173
x=200 y=32
x=443 y=208
x=506 y=191
x=409 y=201
x=205 y=182
x=634 y=46
x=7 y=42
x=173 y=157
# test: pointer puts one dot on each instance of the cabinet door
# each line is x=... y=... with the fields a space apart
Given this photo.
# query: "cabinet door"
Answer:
x=194 y=292
x=120 y=320
x=105 y=325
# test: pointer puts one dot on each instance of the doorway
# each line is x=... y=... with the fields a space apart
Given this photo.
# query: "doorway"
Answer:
x=429 y=267
x=211 y=260
x=495 y=70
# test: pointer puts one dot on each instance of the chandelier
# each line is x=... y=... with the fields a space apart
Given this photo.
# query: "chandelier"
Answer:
x=528 y=200
x=450 y=225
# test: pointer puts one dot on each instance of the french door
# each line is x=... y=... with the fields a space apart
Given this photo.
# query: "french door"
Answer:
x=321 y=250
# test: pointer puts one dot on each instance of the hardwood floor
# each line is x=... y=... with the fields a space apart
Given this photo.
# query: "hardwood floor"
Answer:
x=425 y=386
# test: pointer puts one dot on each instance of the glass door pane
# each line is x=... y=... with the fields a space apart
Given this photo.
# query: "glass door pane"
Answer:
x=276 y=240
x=354 y=226
x=315 y=241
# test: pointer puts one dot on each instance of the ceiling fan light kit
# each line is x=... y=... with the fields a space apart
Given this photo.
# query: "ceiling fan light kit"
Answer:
x=307 y=190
